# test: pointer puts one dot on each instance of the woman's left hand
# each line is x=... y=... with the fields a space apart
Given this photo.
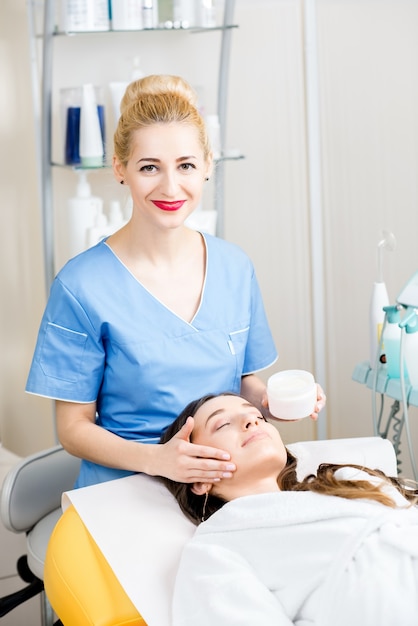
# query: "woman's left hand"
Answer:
x=321 y=402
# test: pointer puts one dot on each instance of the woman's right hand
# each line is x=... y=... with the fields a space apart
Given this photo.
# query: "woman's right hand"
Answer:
x=186 y=462
x=178 y=459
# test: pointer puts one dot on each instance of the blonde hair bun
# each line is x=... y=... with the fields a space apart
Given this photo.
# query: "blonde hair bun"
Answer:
x=157 y=99
x=156 y=84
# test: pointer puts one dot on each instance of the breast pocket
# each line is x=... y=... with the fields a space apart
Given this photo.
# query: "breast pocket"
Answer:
x=62 y=352
x=237 y=343
x=238 y=340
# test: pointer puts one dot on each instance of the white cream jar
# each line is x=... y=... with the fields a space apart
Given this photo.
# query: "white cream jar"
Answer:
x=292 y=394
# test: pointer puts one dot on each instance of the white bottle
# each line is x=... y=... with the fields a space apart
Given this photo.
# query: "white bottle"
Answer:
x=116 y=219
x=411 y=347
x=378 y=300
x=84 y=15
x=81 y=214
x=99 y=229
x=207 y=17
x=149 y=14
x=91 y=141
x=117 y=90
x=184 y=13
x=126 y=14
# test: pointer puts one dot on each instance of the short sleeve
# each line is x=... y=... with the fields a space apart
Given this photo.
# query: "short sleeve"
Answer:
x=260 y=350
x=68 y=360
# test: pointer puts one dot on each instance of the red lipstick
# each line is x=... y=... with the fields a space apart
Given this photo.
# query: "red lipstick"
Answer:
x=168 y=206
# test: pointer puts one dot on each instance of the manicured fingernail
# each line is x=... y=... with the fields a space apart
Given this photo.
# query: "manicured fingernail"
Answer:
x=230 y=466
x=226 y=457
x=227 y=475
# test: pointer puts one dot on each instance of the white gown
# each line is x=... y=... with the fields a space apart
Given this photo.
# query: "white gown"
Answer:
x=301 y=558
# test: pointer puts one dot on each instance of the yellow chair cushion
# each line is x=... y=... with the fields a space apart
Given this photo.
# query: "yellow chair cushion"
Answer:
x=79 y=583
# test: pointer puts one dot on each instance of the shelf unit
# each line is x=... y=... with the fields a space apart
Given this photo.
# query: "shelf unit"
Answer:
x=43 y=103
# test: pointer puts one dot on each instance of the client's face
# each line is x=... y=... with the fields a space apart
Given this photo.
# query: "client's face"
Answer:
x=255 y=445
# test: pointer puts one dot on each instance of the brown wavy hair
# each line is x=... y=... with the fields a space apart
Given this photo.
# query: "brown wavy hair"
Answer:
x=324 y=481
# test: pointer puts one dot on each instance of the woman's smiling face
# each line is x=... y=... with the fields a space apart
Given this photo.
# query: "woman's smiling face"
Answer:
x=165 y=172
x=233 y=424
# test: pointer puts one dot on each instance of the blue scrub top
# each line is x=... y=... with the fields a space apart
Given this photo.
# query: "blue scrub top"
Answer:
x=106 y=338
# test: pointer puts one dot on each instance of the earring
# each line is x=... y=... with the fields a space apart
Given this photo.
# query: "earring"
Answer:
x=202 y=519
x=122 y=182
x=207 y=178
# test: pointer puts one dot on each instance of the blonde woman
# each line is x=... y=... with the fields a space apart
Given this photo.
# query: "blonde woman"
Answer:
x=141 y=323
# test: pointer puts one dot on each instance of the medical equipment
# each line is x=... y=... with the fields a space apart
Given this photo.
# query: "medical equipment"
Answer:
x=379 y=298
x=407 y=301
x=408 y=297
x=392 y=339
x=410 y=324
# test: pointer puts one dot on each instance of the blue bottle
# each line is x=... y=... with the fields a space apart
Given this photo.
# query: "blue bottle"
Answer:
x=72 y=133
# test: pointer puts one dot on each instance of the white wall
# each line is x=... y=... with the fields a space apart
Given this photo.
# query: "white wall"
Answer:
x=25 y=422
x=368 y=64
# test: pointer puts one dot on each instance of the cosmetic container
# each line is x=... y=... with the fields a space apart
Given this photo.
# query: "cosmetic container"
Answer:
x=292 y=394
x=116 y=219
x=71 y=100
x=91 y=140
x=184 y=13
x=82 y=210
x=207 y=13
x=84 y=15
x=149 y=14
x=117 y=90
x=126 y=14
x=99 y=228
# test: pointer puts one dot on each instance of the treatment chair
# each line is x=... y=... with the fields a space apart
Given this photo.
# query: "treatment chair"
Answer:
x=91 y=581
x=31 y=504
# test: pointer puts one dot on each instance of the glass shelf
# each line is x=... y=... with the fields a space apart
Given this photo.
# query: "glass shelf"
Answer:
x=162 y=29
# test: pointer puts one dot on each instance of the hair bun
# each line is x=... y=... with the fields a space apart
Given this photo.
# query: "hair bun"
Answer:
x=156 y=84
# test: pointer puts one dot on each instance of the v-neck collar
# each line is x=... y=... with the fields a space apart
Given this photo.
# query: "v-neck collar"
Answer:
x=202 y=293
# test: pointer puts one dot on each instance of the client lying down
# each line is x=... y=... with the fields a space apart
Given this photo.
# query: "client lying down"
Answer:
x=337 y=549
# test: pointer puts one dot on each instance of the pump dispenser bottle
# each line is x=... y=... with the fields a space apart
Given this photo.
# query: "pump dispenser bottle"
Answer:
x=81 y=214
